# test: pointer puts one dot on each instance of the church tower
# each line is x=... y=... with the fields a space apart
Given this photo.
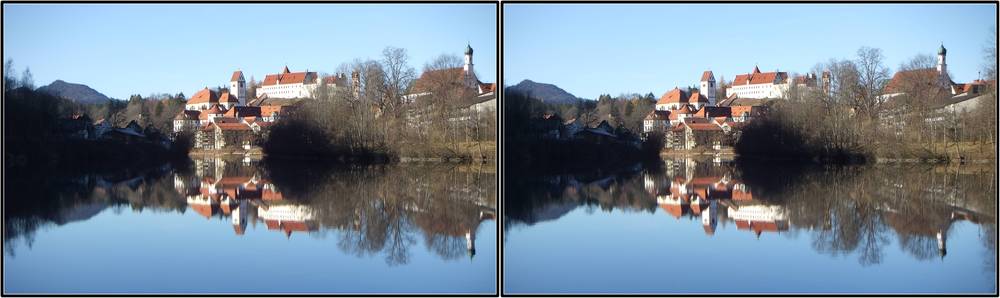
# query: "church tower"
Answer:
x=708 y=86
x=470 y=75
x=942 y=67
x=238 y=87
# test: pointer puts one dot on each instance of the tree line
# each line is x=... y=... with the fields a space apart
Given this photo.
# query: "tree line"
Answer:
x=377 y=119
x=856 y=118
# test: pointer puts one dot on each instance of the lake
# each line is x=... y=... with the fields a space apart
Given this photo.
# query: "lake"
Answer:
x=710 y=225
x=219 y=225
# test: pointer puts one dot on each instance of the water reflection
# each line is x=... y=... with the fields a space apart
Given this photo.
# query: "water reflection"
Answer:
x=845 y=211
x=373 y=211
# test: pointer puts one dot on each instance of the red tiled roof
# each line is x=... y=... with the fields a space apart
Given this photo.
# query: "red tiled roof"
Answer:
x=697 y=97
x=214 y=110
x=286 y=77
x=427 y=79
x=187 y=115
x=488 y=87
x=658 y=115
x=701 y=126
x=227 y=98
x=899 y=80
x=203 y=209
x=707 y=75
x=203 y=96
x=233 y=126
x=672 y=96
x=757 y=77
x=675 y=210
x=266 y=110
x=236 y=76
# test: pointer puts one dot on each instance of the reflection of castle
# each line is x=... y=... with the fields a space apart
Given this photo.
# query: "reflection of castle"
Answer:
x=705 y=197
x=245 y=197
x=710 y=193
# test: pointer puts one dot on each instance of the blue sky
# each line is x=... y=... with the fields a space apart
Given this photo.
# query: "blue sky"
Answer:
x=151 y=48
x=604 y=48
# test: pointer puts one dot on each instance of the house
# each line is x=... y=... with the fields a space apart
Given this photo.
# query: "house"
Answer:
x=463 y=77
x=698 y=132
x=676 y=99
x=945 y=94
x=656 y=121
x=77 y=127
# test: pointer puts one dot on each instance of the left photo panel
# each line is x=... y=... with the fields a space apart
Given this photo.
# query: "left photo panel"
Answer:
x=250 y=149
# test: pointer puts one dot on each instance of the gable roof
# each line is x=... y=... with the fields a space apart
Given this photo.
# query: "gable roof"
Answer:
x=900 y=79
x=672 y=96
x=204 y=96
x=286 y=77
x=429 y=78
x=707 y=76
x=228 y=98
x=658 y=115
x=757 y=77
x=237 y=76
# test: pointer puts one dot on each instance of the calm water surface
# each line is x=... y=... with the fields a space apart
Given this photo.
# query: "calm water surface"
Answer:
x=712 y=226
x=238 y=226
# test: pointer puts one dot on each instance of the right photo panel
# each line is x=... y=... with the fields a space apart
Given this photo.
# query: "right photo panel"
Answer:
x=749 y=149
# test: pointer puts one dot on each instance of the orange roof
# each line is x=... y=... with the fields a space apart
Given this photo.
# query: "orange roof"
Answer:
x=237 y=75
x=267 y=110
x=215 y=109
x=675 y=210
x=488 y=87
x=226 y=97
x=757 y=77
x=427 y=79
x=286 y=77
x=899 y=80
x=203 y=96
x=203 y=209
x=707 y=75
x=697 y=97
x=672 y=96
x=233 y=126
x=740 y=195
x=658 y=115
x=187 y=115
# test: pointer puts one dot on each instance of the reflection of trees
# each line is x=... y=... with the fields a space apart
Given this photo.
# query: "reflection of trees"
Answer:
x=847 y=210
x=382 y=209
x=36 y=200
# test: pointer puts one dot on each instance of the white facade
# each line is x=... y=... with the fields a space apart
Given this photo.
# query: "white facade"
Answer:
x=767 y=90
x=297 y=90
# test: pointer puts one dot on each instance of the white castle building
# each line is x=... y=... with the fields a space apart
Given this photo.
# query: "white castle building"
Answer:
x=759 y=84
x=289 y=84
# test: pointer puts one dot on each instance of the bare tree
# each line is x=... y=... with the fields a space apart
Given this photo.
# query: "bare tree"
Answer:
x=398 y=75
x=27 y=80
x=872 y=77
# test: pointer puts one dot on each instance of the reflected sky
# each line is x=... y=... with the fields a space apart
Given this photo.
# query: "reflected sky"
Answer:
x=704 y=226
x=234 y=226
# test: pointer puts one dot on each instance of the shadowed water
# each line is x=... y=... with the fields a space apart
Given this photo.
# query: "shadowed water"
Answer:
x=714 y=226
x=240 y=226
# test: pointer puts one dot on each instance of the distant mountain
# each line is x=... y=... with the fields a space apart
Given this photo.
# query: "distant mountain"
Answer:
x=547 y=93
x=76 y=92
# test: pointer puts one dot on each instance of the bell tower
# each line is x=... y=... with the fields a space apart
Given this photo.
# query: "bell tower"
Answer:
x=238 y=87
